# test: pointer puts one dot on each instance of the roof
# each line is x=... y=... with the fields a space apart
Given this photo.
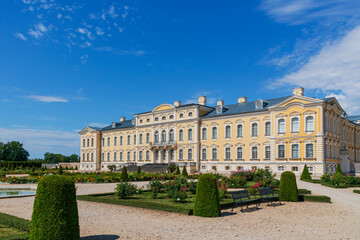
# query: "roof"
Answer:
x=95 y=128
x=185 y=105
x=245 y=107
x=124 y=124
x=353 y=118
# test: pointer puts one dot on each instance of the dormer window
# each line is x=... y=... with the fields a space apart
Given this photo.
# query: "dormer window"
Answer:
x=156 y=119
x=171 y=117
x=190 y=114
x=113 y=124
x=259 y=104
x=163 y=118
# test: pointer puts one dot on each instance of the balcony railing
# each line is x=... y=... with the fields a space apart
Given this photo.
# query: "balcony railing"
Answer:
x=161 y=143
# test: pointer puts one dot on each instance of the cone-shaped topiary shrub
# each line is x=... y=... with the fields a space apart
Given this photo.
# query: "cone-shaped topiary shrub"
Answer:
x=288 y=189
x=124 y=175
x=305 y=175
x=76 y=167
x=207 y=202
x=184 y=172
x=177 y=172
x=339 y=170
x=55 y=213
x=138 y=170
x=61 y=171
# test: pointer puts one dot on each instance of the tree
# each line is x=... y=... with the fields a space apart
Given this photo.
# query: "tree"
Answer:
x=13 y=151
x=305 y=175
x=339 y=170
x=177 y=172
x=61 y=171
x=171 y=167
x=184 y=172
x=124 y=175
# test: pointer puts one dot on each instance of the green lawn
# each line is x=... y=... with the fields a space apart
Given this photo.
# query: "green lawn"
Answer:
x=145 y=200
x=10 y=233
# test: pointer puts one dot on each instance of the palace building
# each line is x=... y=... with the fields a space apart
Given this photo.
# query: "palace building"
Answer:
x=280 y=134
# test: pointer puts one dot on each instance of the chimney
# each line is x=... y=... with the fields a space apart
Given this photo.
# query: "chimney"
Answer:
x=242 y=99
x=122 y=119
x=177 y=103
x=299 y=91
x=202 y=100
x=220 y=103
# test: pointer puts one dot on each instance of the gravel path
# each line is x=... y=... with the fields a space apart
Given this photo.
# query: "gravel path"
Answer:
x=290 y=221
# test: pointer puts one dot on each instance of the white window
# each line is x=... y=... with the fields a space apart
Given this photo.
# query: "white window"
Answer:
x=156 y=137
x=121 y=140
x=134 y=155
x=190 y=114
x=140 y=155
x=103 y=142
x=181 y=135
x=239 y=130
x=295 y=125
x=227 y=153
x=310 y=124
x=87 y=156
x=92 y=142
x=189 y=154
x=239 y=153
x=227 y=167
x=108 y=141
x=214 y=133
x=148 y=120
x=92 y=157
x=163 y=136
x=128 y=156
x=311 y=169
x=295 y=151
x=281 y=151
x=156 y=119
x=128 y=140
x=134 y=139
x=214 y=153
x=115 y=157
x=227 y=132
x=281 y=126
x=108 y=157
x=121 y=156
x=171 y=117
x=88 y=143
x=267 y=168
x=83 y=142
x=204 y=133
x=103 y=157
x=281 y=168
x=181 y=154
x=267 y=129
x=115 y=140
x=254 y=130
x=147 y=157
x=181 y=115
x=163 y=118
x=190 y=134
x=309 y=150
x=294 y=169
x=147 y=137
x=171 y=135
x=267 y=152
x=140 y=138
x=203 y=167
x=254 y=152
x=203 y=154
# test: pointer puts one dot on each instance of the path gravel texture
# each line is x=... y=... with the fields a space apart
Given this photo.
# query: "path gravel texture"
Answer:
x=339 y=220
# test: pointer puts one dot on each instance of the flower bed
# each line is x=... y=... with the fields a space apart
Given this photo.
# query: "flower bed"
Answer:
x=338 y=180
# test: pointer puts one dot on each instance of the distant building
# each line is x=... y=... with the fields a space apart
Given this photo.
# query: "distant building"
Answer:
x=281 y=134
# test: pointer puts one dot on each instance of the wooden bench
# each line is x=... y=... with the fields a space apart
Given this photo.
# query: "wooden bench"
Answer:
x=241 y=198
x=267 y=195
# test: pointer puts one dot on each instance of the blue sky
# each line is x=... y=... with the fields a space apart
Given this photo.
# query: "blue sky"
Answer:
x=68 y=64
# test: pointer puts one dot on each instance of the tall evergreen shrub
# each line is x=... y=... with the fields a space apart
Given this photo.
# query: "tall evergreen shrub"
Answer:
x=288 y=189
x=55 y=212
x=61 y=171
x=124 y=175
x=339 y=170
x=207 y=202
x=184 y=172
x=177 y=172
x=138 y=170
x=305 y=175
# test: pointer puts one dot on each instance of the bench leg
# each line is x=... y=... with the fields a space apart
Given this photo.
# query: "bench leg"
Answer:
x=242 y=210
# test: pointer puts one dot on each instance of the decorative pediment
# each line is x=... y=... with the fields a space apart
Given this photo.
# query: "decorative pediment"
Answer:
x=296 y=101
x=88 y=129
x=163 y=107
x=254 y=120
x=281 y=115
x=295 y=113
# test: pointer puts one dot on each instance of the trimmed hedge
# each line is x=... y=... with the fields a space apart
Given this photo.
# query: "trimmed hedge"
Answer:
x=184 y=172
x=304 y=191
x=317 y=198
x=14 y=222
x=305 y=175
x=356 y=191
x=24 y=164
x=124 y=175
x=207 y=202
x=288 y=189
x=55 y=213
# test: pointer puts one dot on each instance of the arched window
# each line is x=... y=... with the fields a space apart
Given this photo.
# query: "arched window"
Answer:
x=134 y=139
x=190 y=134
x=140 y=138
x=115 y=157
x=281 y=126
x=295 y=125
x=267 y=129
x=214 y=153
x=239 y=153
x=134 y=155
x=156 y=119
x=156 y=137
x=239 y=130
x=281 y=168
x=121 y=140
x=227 y=153
x=140 y=155
x=294 y=169
x=92 y=142
x=148 y=120
x=128 y=140
x=141 y=121
x=254 y=130
x=190 y=114
x=163 y=136
x=203 y=154
x=204 y=133
x=171 y=135
x=108 y=141
x=163 y=118
x=190 y=154
x=128 y=156
x=87 y=157
x=88 y=143
x=309 y=150
x=115 y=140
x=103 y=142
x=83 y=142
x=227 y=132
x=171 y=117
x=92 y=157
x=108 y=157
x=214 y=133
x=121 y=156
x=295 y=151
x=181 y=135
x=267 y=168
x=310 y=124
x=254 y=152
x=181 y=154
x=181 y=115
x=147 y=137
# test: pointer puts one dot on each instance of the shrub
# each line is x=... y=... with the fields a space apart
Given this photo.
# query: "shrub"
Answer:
x=338 y=169
x=288 y=188
x=177 y=172
x=138 y=170
x=305 y=175
x=55 y=214
x=171 y=167
x=222 y=189
x=207 y=197
x=317 y=198
x=111 y=168
x=325 y=178
x=356 y=191
x=76 y=168
x=61 y=171
x=192 y=187
x=184 y=172
x=125 y=190
x=124 y=175
x=155 y=186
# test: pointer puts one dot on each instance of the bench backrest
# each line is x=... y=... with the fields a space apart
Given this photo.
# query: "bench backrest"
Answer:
x=239 y=194
x=265 y=191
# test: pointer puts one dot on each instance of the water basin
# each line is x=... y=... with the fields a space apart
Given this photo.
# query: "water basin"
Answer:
x=16 y=192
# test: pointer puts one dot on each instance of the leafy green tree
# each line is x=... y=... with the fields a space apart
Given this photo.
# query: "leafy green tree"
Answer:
x=13 y=151
x=171 y=167
x=61 y=171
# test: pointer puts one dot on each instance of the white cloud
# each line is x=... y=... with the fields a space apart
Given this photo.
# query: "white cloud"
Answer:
x=21 y=36
x=47 y=98
x=84 y=58
x=39 y=30
x=35 y=34
x=40 y=141
x=5 y=100
x=335 y=70
x=112 y=12
x=99 y=31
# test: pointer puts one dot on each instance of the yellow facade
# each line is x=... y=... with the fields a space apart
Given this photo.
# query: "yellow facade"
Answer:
x=279 y=134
